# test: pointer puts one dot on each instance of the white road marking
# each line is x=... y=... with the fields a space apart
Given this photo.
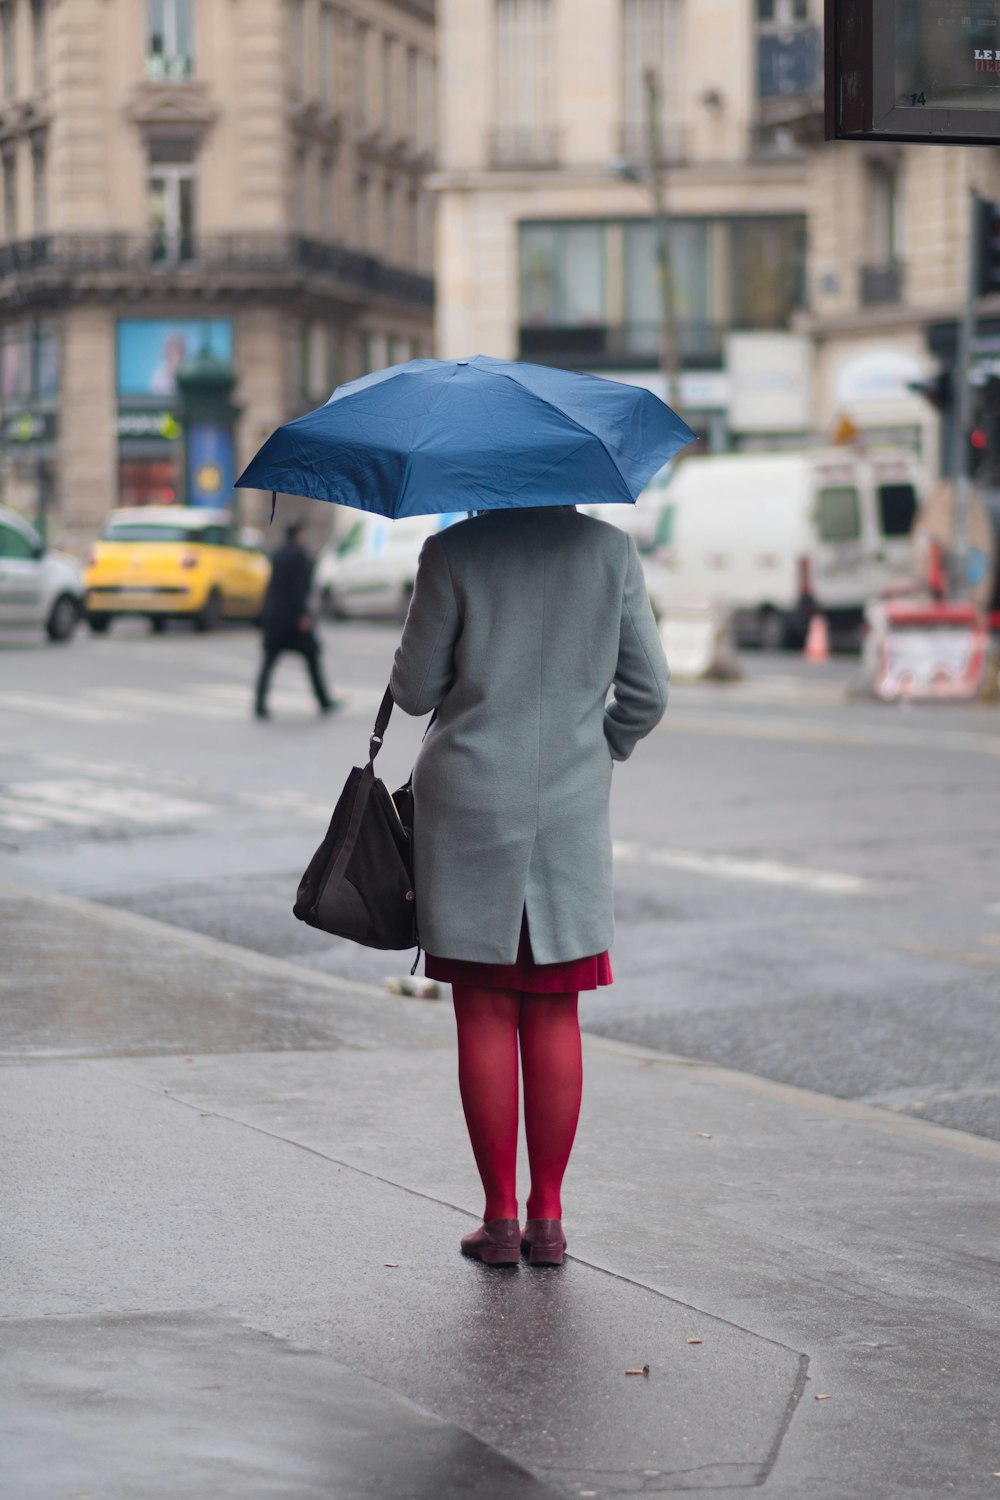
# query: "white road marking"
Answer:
x=762 y=871
x=78 y=710
x=30 y=806
x=288 y=802
x=804 y=731
x=204 y=700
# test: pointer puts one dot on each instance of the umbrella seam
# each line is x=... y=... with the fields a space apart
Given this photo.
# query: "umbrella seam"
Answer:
x=579 y=425
x=412 y=449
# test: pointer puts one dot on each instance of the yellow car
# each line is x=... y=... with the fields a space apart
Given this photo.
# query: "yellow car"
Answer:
x=173 y=562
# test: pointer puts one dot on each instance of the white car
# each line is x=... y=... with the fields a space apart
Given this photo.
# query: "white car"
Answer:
x=38 y=588
x=370 y=569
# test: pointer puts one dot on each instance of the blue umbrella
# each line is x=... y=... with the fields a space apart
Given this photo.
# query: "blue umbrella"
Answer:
x=471 y=434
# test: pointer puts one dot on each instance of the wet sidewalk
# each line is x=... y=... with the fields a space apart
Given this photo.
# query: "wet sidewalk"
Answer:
x=233 y=1190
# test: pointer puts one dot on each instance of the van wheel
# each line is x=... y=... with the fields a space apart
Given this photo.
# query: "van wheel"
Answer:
x=62 y=618
x=772 y=630
x=99 y=624
x=157 y=624
x=211 y=613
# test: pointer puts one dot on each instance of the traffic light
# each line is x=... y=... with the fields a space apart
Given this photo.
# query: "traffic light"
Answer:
x=978 y=444
x=937 y=389
x=987 y=247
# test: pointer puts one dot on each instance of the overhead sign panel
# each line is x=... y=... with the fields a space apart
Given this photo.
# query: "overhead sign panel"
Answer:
x=913 y=70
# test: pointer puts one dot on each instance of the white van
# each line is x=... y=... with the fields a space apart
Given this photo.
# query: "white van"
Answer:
x=780 y=536
x=369 y=571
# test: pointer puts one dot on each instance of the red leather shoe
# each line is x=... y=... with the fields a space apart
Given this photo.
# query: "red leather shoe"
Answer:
x=495 y=1243
x=543 y=1242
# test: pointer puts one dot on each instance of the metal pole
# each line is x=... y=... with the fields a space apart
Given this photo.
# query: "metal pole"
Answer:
x=669 y=362
x=963 y=410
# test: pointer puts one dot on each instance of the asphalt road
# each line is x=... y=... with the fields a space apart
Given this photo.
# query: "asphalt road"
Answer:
x=808 y=886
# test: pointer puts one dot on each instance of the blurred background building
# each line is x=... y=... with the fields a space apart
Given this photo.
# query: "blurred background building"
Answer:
x=257 y=181
x=813 y=283
x=242 y=179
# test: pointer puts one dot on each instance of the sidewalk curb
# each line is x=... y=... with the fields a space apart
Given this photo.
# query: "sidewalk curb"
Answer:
x=884 y=1120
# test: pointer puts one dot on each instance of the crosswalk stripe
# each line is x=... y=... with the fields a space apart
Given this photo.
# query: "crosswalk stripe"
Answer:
x=208 y=701
x=28 y=806
x=761 y=871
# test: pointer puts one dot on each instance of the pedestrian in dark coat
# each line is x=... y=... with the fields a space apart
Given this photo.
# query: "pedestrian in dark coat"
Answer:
x=520 y=625
x=287 y=621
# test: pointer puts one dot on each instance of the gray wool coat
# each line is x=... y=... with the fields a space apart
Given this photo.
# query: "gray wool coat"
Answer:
x=520 y=623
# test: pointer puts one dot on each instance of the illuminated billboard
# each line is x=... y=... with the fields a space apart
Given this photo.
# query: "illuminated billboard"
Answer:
x=151 y=350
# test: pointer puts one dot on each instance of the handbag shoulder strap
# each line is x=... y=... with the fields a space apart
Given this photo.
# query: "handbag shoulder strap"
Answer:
x=381 y=724
x=377 y=736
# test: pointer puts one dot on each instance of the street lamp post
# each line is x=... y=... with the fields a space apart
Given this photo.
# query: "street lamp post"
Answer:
x=669 y=352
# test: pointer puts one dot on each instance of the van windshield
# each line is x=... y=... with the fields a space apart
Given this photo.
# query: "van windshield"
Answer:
x=897 y=505
x=838 y=514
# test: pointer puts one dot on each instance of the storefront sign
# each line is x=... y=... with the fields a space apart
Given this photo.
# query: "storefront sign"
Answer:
x=882 y=373
x=148 y=424
x=25 y=427
x=770 y=382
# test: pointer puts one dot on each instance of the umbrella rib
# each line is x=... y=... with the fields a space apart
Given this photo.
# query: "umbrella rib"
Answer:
x=409 y=456
x=587 y=432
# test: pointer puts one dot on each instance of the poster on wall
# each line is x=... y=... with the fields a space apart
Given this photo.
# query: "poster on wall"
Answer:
x=151 y=351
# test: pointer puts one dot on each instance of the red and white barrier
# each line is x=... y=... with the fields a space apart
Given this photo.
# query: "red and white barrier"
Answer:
x=933 y=649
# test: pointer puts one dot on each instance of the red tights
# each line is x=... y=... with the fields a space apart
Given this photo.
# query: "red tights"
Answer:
x=491 y=1023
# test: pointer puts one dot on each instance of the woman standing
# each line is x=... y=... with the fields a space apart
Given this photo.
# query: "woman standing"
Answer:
x=521 y=622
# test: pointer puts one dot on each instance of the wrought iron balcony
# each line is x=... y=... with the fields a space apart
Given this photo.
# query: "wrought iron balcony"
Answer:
x=54 y=267
x=524 y=146
x=609 y=346
x=879 y=285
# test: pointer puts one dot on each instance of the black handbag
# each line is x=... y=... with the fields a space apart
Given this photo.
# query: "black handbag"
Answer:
x=359 y=883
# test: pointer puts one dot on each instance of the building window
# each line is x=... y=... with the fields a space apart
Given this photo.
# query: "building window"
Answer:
x=328 y=55
x=361 y=43
x=884 y=215
x=590 y=293
x=412 y=247
x=29 y=364
x=782 y=12
x=651 y=38
x=172 y=211
x=562 y=275
x=297 y=27
x=412 y=85
x=39 y=187
x=388 y=79
x=300 y=192
x=766 y=271
x=362 y=226
x=691 y=266
x=39 y=44
x=10 y=194
x=327 y=220
x=389 y=221
x=524 y=130
x=8 y=44
x=169 y=38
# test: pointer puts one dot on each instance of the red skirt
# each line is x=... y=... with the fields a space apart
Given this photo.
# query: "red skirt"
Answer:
x=524 y=974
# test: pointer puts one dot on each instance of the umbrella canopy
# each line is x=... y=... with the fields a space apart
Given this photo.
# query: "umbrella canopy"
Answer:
x=471 y=434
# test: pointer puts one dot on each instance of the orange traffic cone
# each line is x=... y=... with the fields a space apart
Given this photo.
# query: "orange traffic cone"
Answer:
x=817 y=640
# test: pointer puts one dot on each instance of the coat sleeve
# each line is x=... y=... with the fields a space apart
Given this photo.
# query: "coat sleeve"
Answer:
x=423 y=667
x=639 y=700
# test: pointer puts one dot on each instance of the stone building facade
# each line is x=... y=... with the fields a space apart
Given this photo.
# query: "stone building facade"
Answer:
x=242 y=177
x=812 y=282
